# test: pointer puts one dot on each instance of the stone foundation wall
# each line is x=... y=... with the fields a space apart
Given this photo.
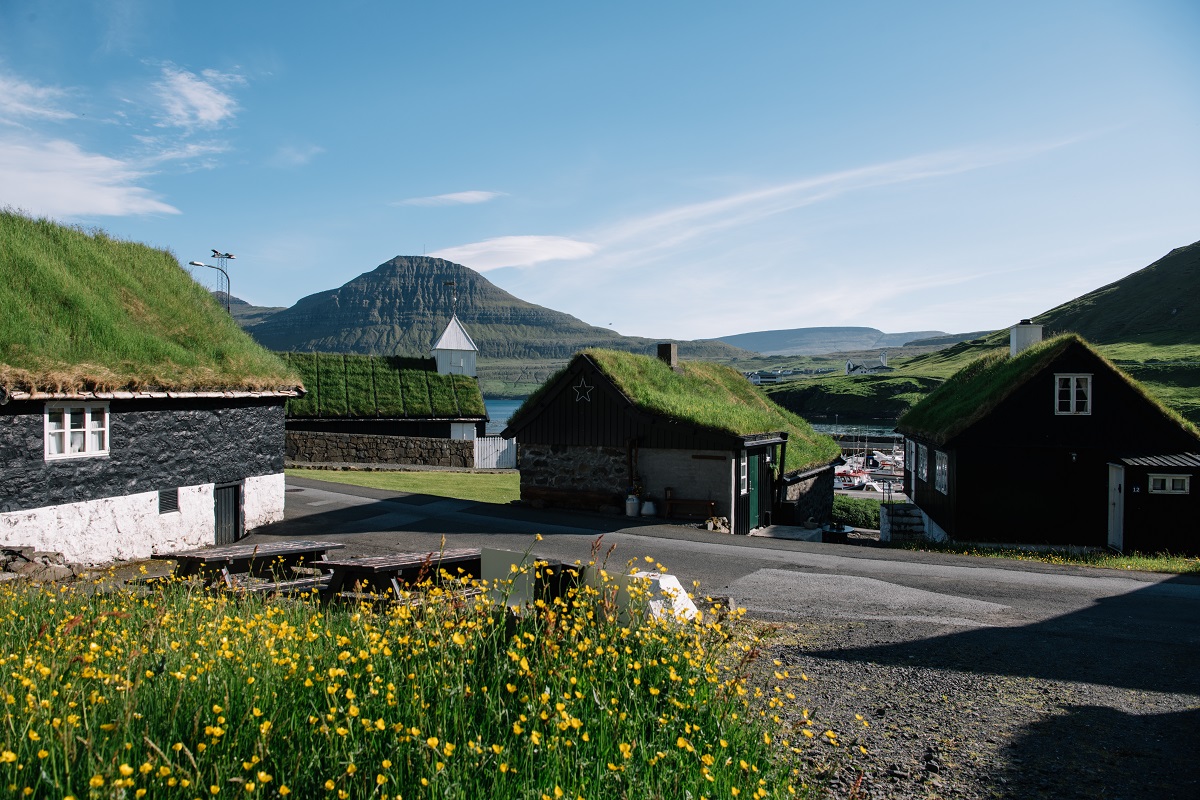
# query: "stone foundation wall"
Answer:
x=812 y=497
x=573 y=476
x=320 y=447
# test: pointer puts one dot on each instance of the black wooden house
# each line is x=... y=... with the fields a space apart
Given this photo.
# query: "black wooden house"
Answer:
x=1052 y=444
x=614 y=422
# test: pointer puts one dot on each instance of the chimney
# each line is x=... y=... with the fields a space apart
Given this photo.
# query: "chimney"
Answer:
x=1022 y=336
x=883 y=358
x=669 y=354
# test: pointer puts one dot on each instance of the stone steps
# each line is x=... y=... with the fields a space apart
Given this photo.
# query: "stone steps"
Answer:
x=904 y=522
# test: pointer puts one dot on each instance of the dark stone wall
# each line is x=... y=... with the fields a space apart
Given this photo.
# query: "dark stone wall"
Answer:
x=811 y=497
x=434 y=429
x=318 y=447
x=153 y=445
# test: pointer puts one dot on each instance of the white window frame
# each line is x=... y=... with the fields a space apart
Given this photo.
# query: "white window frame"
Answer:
x=1076 y=381
x=744 y=474
x=923 y=462
x=941 y=472
x=910 y=455
x=58 y=439
x=1172 y=484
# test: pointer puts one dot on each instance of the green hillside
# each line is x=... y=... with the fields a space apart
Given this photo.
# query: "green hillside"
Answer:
x=83 y=311
x=820 y=341
x=1147 y=323
x=402 y=306
x=380 y=387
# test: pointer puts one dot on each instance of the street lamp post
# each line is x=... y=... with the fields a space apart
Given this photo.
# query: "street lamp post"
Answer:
x=223 y=260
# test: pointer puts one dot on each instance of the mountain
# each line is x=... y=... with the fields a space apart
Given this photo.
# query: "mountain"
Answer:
x=819 y=341
x=400 y=307
x=243 y=312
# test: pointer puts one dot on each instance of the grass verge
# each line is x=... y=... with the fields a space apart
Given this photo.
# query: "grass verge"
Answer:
x=1143 y=562
x=183 y=693
x=483 y=487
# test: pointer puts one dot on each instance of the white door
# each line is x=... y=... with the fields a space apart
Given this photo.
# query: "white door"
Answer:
x=1116 y=507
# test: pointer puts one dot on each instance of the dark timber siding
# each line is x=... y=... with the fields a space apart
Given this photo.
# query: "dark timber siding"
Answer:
x=1025 y=474
x=606 y=419
x=154 y=445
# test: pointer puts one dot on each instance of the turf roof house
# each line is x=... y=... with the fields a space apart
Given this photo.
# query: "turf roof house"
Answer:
x=135 y=416
x=611 y=420
x=385 y=408
x=1052 y=444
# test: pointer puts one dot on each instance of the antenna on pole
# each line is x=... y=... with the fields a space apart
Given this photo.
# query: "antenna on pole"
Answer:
x=453 y=296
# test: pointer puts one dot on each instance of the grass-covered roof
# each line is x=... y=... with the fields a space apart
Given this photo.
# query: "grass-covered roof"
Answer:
x=975 y=390
x=81 y=311
x=380 y=387
x=709 y=395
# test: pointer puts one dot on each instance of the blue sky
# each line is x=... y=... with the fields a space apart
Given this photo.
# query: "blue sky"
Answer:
x=673 y=169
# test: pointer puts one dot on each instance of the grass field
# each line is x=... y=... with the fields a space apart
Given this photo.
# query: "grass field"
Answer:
x=179 y=694
x=484 y=487
x=1143 y=562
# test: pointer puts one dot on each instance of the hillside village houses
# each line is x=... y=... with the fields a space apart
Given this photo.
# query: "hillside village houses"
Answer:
x=853 y=368
x=694 y=437
x=1052 y=444
x=145 y=420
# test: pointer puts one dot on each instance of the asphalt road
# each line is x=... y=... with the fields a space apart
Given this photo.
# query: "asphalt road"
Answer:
x=985 y=677
x=773 y=578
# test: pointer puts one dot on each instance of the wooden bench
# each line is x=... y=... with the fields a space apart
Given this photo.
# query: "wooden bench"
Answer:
x=390 y=574
x=692 y=507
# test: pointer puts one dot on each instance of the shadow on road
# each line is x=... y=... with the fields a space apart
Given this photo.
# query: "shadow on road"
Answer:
x=1134 y=646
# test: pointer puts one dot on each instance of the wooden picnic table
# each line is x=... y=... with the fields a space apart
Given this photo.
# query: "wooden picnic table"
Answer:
x=272 y=563
x=390 y=574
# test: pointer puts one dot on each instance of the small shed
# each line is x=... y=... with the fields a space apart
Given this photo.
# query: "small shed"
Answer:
x=136 y=417
x=614 y=422
x=1050 y=443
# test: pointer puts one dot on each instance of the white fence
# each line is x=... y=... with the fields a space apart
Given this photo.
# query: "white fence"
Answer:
x=495 y=452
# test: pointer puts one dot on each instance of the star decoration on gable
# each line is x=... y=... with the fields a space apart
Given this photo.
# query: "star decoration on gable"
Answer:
x=583 y=391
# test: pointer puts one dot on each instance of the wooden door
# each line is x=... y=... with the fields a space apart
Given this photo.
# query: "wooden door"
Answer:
x=1116 y=507
x=228 y=507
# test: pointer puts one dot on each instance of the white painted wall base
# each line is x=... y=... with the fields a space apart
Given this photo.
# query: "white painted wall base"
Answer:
x=262 y=500
x=115 y=528
x=130 y=527
x=933 y=531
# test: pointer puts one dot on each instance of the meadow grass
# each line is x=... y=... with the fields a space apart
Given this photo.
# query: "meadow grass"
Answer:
x=484 y=487
x=185 y=693
x=1144 y=562
x=82 y=310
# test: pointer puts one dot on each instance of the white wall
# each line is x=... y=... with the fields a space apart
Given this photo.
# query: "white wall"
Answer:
x=115 y=528
x=691 y=478
x=130 y=527
x=262 y=500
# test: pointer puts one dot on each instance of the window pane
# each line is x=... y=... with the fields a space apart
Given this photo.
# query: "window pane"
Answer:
x=56 y=419
x=1064 y=395
x=55 y=443
x=98 y=420
x=77 y=441
x=1158 y=484
x=1081 y=395
x=77 y=421
x=96 y=441
x=1177 y=484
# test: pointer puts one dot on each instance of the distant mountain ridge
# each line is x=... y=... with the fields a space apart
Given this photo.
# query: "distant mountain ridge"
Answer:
x=401 y=306
x=820 y=341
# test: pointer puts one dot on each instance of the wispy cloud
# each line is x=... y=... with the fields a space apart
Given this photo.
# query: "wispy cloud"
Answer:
x=58 y=179
x=516 y=251
x=22 y=100
x=452 y=199
x=192 y=101
x=199 y=155
x=289 y=156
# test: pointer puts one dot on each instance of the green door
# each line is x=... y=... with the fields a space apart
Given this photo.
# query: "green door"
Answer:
x=754 y=514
